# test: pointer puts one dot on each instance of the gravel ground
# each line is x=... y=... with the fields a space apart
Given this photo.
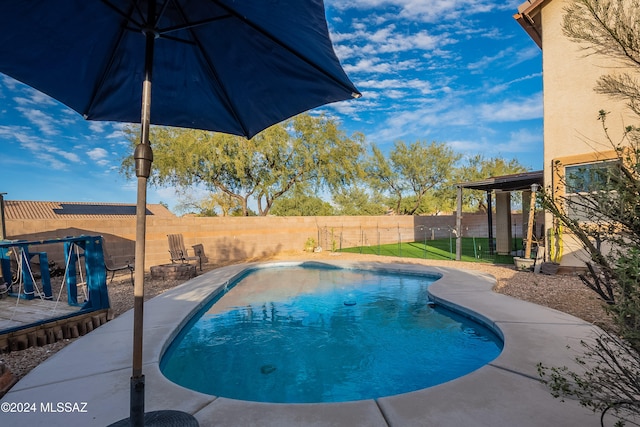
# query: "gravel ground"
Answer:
x=561 y=292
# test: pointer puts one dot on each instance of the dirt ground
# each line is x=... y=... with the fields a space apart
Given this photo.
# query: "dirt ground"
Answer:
x=561 y=292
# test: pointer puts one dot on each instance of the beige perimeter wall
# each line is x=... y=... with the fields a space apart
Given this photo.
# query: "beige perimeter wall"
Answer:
x=235 y=239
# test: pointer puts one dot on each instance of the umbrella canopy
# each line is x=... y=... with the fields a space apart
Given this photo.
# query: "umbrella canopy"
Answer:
x=222 y=65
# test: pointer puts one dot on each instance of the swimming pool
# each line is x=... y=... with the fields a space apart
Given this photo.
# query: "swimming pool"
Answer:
x=301 y=335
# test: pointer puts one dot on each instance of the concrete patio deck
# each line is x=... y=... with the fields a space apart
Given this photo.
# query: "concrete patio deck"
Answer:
x=94 y=371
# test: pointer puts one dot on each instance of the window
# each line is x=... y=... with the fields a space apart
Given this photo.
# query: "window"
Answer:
x=589 y=177
x=582 y=183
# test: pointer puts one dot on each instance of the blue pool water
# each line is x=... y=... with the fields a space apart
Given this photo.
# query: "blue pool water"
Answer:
x=301 y=335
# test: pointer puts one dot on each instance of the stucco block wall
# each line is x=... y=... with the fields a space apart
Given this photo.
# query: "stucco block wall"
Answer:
x=227 y=239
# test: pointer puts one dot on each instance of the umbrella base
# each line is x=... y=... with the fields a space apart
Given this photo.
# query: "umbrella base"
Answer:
x=162 y=419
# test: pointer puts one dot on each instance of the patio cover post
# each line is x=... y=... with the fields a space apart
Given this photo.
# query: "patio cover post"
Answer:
x=3 y=228
x=490 y=223
x=532 y=216
x=459 y=224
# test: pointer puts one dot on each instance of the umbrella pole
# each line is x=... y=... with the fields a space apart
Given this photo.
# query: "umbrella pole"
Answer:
x=143 y=158
x=137 y=378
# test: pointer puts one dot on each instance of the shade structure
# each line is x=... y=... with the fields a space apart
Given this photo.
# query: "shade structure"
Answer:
x=222 y=65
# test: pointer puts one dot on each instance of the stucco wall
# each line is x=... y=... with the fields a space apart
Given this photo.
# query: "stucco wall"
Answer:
x=236 y=239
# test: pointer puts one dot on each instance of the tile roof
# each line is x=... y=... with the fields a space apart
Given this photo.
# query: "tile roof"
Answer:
x=22 y=209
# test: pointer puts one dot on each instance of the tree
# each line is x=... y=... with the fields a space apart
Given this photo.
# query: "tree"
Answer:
x=317 y=154
x=213 y=204
x=383 y=178
x=603 y=213
x=438 y=201
x=303 y=151
x=411 y=171
x=301 y=204
x=358 y=201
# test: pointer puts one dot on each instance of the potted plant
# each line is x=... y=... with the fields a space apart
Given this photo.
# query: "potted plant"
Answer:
x=523 y=263
x=310 y=244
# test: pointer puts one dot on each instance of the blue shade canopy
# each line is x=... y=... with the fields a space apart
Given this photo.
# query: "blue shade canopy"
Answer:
x=222 y=65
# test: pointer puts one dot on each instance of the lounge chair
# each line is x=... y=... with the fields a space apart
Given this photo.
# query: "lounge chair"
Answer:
x=179 y=253
x=110 y=266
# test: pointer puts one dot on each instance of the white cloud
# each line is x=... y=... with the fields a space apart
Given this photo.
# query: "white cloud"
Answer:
x=51 y=161
x=21 y=100
x=417 y=85
x=50 y=155
x=363 y=42
x=395 y=94
x=526 y=54
x=18 y=133
x=116 y=134
x=486 y=61
x=526 y=137
x=431 y=11
x=33 y=97
x=40 y=98
x=72 y=157
x=499 y=88
x=499 y=145
x=352 y=107
x=98 y=127
x=379 y=66
x=9 y=83
x=513 y=110
x=448 y=116
x=97 y=154
x=43 y=121
x=39 y=149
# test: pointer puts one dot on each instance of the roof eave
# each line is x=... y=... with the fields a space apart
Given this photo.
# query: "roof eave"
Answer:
x=526 y=23
x=525 y=17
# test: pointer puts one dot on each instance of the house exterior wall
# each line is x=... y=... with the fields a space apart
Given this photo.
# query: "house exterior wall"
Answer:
x=572 y=132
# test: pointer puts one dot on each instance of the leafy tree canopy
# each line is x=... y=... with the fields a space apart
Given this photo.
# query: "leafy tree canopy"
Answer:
x=305 y=150
x=357 y=201
x=300 y=204
x=410 y=172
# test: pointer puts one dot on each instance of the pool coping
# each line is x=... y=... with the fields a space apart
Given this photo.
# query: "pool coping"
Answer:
x=96 y=368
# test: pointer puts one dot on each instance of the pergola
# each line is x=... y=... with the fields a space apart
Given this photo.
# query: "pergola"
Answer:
x=527 y=182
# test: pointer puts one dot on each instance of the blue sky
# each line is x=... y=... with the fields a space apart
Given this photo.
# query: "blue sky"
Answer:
x=460 y=72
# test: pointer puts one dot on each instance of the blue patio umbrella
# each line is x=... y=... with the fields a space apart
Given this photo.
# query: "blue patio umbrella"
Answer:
x=222 y=65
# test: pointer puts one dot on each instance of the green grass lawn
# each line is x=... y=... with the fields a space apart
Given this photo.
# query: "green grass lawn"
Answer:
x=473 y=250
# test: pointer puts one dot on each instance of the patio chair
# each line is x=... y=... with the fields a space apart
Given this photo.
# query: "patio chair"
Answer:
x=179 y=253
x=111 y=267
